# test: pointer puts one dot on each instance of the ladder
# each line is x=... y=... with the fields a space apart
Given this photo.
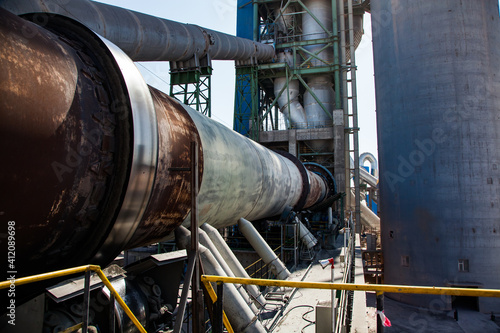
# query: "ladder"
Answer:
x=350 y=107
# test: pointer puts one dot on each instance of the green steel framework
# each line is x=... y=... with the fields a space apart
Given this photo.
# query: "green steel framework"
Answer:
x=264 y=109
x=192 y=87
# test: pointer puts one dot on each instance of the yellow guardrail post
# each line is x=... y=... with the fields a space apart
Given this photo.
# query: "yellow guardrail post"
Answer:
x=213 y=297
x=77 y=270
x=380 y=309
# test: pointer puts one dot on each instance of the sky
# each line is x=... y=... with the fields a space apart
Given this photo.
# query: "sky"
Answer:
x=220 y=15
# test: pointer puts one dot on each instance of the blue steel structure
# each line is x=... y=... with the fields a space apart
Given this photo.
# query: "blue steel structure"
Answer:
x=244 y=97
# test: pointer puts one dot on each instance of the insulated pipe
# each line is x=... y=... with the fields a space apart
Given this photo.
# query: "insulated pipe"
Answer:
x=207 y=242
x=263 y=249
x=288 y=102
x=373 y=163
x=104 y=165
x=233 y=262
x=240 y=316
x=305 y=235
x=144 y=37
x=368 y=217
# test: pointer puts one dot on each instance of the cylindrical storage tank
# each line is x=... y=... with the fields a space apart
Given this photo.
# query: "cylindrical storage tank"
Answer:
x=437 y=75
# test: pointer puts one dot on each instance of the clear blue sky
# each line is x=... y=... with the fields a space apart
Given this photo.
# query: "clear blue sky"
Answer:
x=220 y=15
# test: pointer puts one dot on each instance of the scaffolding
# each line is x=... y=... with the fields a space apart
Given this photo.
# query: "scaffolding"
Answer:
x=191 y=85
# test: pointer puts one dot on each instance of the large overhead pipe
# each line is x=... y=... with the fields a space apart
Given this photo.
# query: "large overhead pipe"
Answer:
x=103 y=167
x=144 y=37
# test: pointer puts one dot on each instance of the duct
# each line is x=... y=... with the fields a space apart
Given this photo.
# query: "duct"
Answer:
x=365 y=175
x=207 y=242
x=305 y=235
x=368 y=217
x=144 y=37
x=240 y=316
x=373 y=163
x=288 y=101
x=233 y=262
x=330 y=217
x=263 y=249
x=104 y=166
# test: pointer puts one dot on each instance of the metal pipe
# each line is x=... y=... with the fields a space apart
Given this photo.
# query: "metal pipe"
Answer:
x=144 y=37
x=262 y=248
x=207 y=242
x=234 y=264
x=373 y=163
x=241 y=317
x=305 y=235
x=368 y=217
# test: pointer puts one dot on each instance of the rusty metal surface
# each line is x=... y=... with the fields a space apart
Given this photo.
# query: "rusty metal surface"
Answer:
x=144 y=154
x=145 y=37
x=318 y=190
x=170 y=200
x=60 y=180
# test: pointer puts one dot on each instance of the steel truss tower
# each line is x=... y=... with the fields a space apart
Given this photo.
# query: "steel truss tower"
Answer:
x=304 y=102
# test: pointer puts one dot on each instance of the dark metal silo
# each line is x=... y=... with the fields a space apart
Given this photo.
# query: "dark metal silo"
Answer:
x=437 y=75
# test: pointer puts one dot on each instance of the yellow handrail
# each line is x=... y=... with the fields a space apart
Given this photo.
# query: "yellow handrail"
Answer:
x=213 y=297
x=75 y=270
x=360 y=287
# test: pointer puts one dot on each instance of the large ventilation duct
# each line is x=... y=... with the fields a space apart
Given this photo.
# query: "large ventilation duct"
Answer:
x=101 y=158
x=438 y=97
x=144 y=37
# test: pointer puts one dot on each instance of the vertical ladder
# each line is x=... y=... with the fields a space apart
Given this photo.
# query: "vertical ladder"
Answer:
x=350 y=106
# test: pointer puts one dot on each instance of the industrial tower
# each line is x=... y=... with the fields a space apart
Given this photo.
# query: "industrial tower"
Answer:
x=304 y=101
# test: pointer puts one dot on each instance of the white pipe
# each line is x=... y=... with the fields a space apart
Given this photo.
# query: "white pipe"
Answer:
x=330 y=217
x=207 y=242
x=263 y=249
x=240 y=316
x=305 y=235
x=373 y=163
x=233 y=262
x=288 y=101
x=368 y=217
